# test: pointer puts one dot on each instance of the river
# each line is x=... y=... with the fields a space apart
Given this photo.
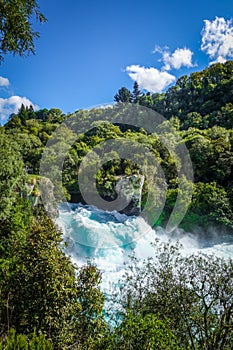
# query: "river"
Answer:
x=109 y=238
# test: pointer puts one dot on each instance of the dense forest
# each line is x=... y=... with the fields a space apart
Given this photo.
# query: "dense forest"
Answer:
x=199 y=110
x=177 y=303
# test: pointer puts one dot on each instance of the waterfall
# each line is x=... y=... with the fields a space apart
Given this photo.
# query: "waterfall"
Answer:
x=110 y=237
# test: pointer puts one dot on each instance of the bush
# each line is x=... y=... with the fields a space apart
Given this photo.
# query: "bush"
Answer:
x=22 y=342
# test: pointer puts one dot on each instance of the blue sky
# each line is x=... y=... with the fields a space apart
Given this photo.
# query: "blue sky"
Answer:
x=89 y=49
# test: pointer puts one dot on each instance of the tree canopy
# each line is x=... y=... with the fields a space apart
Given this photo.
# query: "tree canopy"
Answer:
x=123 y=95
x=171 y=302
x=201 y=100
x=16 y=30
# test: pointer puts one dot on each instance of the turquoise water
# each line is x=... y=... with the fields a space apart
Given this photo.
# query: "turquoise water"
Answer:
x=110 y=237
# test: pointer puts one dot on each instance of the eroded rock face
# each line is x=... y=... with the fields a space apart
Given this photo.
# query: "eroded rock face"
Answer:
x=39 y=191
x=130 y=189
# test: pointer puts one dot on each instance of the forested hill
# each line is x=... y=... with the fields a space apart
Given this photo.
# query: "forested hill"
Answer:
x=201 y=100
x=200 y=108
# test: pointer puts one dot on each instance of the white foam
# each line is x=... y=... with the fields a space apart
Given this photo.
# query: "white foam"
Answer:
x=110 y=237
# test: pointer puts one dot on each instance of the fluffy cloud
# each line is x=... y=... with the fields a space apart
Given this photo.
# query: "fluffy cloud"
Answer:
x=217 y=39
x=177 y=59
x=4 y=82
x=12 y=104
x=151 y=78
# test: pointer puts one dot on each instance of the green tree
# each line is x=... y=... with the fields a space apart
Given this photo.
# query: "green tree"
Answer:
x=11 y=174
x=147 y=332
x=136 y=92
x=202 y=99
x=40 y=288
x=123 y=95
x=90 y=324
x=193 y=294
x=37 y=283
x=210 y=204
x=23 y=114
x=16 y=32
x=22 y=342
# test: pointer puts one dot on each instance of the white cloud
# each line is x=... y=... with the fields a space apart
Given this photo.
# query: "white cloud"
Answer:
x=150 y=79
x=12 y=104
x=217 y=39
x=4 y=82
x=177 y=59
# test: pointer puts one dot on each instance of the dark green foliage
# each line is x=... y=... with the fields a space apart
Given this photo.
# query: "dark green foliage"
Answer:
x=202 y=100
x=172 y=302
x=16 y=32
x=90 y=324
x=136 y=92
x=123 y=95
x=22 y=342
x=11 y=174
x=38 y=283
x=138 y=332
x=210 y=151
x=25 y=114
x=201 y=106
x=211 y=204
x=39 y=288
x=193 y=295
x=211 y=154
